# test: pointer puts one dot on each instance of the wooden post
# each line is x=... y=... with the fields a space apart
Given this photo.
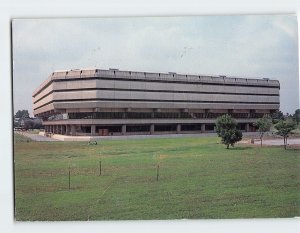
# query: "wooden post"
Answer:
x=100 y=168
x=157 y=172
x=69 y=178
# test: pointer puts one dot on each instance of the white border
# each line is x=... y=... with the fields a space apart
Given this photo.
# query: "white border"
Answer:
x=92 y=8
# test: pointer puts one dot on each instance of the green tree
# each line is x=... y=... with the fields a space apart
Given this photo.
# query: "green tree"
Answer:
x=284 y=128
x=22 y=114
x=296 y=116
x=263 y=124
x=226 y=129
x=277 y=116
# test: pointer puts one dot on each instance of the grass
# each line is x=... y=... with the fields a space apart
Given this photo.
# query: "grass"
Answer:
x=18 y=138
x=198 y=178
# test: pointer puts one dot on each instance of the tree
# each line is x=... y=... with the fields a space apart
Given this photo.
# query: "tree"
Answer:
x=22 y=114
x=296 y=116
x=263 y=124
x=277 y=116
x=284 y=128
x=226 y=129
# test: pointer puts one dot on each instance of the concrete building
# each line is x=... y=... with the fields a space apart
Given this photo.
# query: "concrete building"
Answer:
x=113 y=102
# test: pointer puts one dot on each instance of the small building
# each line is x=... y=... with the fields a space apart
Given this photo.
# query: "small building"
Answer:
x=112 y=102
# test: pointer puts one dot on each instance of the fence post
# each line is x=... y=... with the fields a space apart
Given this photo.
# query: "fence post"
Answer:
x=100 y=168
x=69 y=178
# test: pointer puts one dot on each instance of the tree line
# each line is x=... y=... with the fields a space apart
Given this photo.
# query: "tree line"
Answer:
x=226 y=127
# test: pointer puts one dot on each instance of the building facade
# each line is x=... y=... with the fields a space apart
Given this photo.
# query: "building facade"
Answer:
x=113 y=102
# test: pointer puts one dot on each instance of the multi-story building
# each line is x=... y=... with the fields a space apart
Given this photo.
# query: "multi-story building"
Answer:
x=113 y=102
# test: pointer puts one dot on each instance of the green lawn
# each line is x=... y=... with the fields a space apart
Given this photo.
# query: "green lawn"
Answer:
x=198 y=178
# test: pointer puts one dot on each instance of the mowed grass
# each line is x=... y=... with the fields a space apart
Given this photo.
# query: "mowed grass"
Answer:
x=198 y=178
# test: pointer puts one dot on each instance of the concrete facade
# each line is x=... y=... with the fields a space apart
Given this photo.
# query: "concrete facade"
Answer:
x=112 y=102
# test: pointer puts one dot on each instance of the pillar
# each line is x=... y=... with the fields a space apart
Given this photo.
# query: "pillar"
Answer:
x=67 y=130
x=247 y=127
x=178 y=129
x=93 y=130
x=73 y=130
x=152 y=129
x=123 y=129
x=62 y=129
x=202 y=128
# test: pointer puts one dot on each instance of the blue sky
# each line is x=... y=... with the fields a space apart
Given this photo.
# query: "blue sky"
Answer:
x=259 y=46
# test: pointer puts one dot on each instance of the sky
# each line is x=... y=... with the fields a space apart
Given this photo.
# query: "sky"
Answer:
x=250 y=46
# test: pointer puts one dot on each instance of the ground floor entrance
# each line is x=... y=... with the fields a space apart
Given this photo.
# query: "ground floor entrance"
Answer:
x=131 y=129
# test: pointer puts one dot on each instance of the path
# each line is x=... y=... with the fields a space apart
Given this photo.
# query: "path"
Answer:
x=278 y=142
x=36 y=137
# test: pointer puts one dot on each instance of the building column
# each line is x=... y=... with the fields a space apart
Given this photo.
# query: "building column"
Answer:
x=202 y=128
x=64 y=129
x=178 y=129
x=67 y=130
x=73 y=130
x=152 y=129
x=247 y=129
x=123 y=129
x=93 y=130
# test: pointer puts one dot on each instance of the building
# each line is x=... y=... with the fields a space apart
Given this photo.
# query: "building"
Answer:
x=113 y=102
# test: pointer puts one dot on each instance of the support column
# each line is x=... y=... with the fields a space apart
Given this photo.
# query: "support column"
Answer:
x=73 y=130
x=152 y=129
x=123 y=129
x=247 y=127
x=202 y=128
x=178 y=129
x=63 y=130
x=67 y=130
x=93 y=130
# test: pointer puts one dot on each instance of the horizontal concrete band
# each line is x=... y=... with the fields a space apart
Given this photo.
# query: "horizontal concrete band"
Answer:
x=138 y=121
x=80 y=90
x=75 y=106
x=258 y=83
x=153 y=100
x=149 y=87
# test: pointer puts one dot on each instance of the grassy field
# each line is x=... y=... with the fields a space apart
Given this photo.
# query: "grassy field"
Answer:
x=198 y=178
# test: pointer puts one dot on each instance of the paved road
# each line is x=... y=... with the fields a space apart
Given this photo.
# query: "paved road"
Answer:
x=36 y=137
x=278 y=142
